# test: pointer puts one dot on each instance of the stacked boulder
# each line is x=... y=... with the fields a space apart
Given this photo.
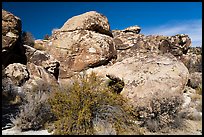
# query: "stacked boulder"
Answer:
x=142 y=66
x=84 y=41
x=22 y=64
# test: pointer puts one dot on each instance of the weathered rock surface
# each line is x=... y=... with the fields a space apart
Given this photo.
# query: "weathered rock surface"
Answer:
x=178 y=44
x=12 y=50
x=193 y=59
x=81 y=49
x=83 y=41
x=195 y=79
x=42 y=58
x=11 y=26
x=129 y=44
x=18 y=73
x=146 y=66
x=92 y=21
x=148 y=74
x=40 y=78
x=134 y=29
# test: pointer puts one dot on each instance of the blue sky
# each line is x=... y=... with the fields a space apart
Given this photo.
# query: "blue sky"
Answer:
x=163 y=18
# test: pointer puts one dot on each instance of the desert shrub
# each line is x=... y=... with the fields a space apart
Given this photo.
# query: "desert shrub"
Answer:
x=34 y=113
x=9 y=91
x=46 y=37
x=115 y=83
x=27 y=39
x=11 y=100
x=79 y=106
x=199 y=89
x=162 y=111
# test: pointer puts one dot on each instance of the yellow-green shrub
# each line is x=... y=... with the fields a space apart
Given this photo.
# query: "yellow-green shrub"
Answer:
x=77 y=106
x=199 y=89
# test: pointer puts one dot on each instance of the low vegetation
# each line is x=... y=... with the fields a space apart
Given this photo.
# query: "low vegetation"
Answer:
x=88 y=106
x=34 y=113
x=28 y=39
x=81 y=106
x=162 y=111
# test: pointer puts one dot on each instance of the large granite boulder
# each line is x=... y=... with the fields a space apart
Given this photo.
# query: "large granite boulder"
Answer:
x=147 y=75
x=12 y=50
x=81 y=49
x=91 y=20
x=81 y=43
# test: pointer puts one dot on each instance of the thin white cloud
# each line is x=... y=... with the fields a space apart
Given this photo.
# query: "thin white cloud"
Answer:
x=193 y=28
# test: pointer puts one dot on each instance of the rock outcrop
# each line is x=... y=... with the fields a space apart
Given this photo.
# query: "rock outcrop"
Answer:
x=83 y=42
x=128 y=44
x=42 y=58
x=23 y=64
x=193 y=59
x=40 y=79
x=178 y=44
x=148 y=74
x=195 y=79
x=136 y=66
x=12 y=50
x=134 y=29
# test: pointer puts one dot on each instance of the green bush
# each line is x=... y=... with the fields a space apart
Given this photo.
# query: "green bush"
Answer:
x=80 y=105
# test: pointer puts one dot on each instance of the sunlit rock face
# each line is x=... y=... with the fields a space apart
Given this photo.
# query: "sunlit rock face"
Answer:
x=83 y=41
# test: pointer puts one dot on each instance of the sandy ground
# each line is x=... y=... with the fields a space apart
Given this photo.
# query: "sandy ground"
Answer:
x=190 y=127
x=14 y=131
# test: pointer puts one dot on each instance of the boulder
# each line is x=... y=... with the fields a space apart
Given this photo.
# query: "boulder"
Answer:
x=42 y=58
x=42 y=44
x=18 y=73
x=195 y=79
x=81 y=49
x=11 y=25
x=40 y=79
x=12 y=50
x=133 y=29
x=84 y=41
x=147 y=75
x=192 y=61
x=195 y=50
x=91 y=20
x=178 y=44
